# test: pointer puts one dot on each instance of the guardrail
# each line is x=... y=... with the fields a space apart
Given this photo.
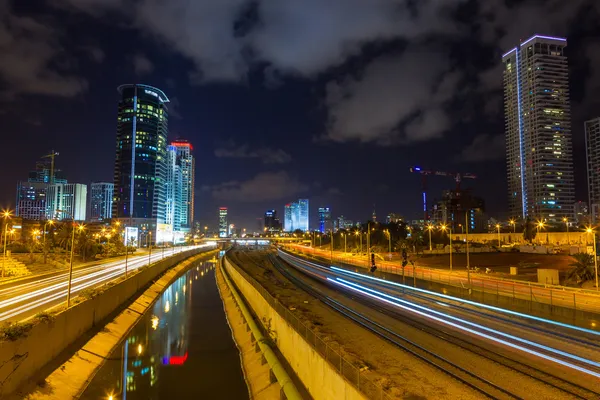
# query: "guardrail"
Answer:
x=333 y=356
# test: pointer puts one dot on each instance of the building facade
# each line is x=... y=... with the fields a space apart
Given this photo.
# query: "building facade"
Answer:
x=460 y=210
x=101 y=198
x=186 y=163
x=271 y=222
x=296 y=216
x=538 y=130
x=31 y=194
x=66 y=201
x=592 y=156
x=223 y=226
x=324 y=218
x=140 y=164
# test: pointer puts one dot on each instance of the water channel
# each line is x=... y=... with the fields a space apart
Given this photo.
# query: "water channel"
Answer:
x=182 y=348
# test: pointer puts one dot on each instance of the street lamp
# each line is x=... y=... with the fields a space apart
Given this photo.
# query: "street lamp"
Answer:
x=6 y=215
x=430 y=228
x=498 y=227
x=80 y=228
x=149 y=246
x=345 y=245
x=389 y=235
x=51 y=222
x=590 y=230
x=443 y=228
x=514 y=224
x=540 y=225
x=566 y=221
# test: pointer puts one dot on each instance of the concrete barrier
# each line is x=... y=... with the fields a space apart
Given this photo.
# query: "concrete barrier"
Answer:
x=24 y=357
x=318 y=376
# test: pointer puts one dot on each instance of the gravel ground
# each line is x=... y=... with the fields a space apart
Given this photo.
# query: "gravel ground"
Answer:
x=402 y=375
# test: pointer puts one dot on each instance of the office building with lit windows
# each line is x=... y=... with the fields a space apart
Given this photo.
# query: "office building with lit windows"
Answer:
x=223 y=227
x=186 y=164
x=101 y=198
x=324 y=219
x=296 y=216
x=31 y=194
x=592 y=156
x=538 y=130
x=67 y=201
x=140 y=171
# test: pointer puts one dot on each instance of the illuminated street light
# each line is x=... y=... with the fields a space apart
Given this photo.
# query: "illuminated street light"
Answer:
x=566 y=221
x=498 y=227
x=514 y=224
x=6 y=215
x=430 y=228
x=443 y=228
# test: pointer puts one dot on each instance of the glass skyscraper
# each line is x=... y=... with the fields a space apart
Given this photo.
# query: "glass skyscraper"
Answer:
x=324 y=218
x=140 y=163
x=223 y=227
x=538 y=129
x=185 y=162
x=101 y=199
x=296 y=216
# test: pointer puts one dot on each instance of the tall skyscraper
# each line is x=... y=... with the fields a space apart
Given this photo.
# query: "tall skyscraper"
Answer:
x=185 y=161
x=592 y=153
x=223 y=227
x=296 y=216
x=324 y=218
x=67 y=201
x=173 y=186
x=101 y=199
x=140 y=163
x=287 y=218
x=538 y=129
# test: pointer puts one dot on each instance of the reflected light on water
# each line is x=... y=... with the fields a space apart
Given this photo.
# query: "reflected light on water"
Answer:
x=167 y=306
x=154 y=322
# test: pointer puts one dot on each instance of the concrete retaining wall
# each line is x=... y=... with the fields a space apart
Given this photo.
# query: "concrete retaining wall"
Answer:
x=21 y=359
x=317 y=375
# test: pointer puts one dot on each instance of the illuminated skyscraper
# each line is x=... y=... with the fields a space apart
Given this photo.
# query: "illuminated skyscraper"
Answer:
x=67 y=201
x=324 y=218
x=296 y=216
x=141 y=154
x=592 y=152
x=287 y=218
x=538 y=129
x=186 y=163
x=101 y=199
x=223 y=227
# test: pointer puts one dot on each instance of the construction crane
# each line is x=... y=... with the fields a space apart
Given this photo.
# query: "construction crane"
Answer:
x=457 y=176
x=51 y=157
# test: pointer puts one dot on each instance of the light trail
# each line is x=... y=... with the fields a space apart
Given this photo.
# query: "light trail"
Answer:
x=457 y=299
x=51 y=289
x=506 y=335
x=483 y=335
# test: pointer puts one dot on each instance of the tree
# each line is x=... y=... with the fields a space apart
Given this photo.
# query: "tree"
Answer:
x=86 y=246
x=583 y=268
x=63 y=235
x=529 y=232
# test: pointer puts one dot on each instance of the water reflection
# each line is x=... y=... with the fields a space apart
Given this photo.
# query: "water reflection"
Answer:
x=156 y=354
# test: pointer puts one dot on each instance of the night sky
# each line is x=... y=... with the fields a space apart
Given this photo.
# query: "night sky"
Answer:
x=330 y=100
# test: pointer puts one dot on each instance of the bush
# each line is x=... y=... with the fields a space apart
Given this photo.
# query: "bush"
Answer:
x=14 y=331
x=44 y=317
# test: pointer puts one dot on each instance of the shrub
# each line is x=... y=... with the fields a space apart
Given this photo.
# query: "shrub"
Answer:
x=14 y=331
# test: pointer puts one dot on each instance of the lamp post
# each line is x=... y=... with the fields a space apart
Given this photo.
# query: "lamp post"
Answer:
x=514 y=224
x=6 y=215
x=71 y=258
x=345 y=243
x=539 y=226
x=389 y=235
x=467 y=243
x=51 y=222
x=443 y=228
x=593 y=232
x=149 y=246
x=566 y=221
x=430 y=228
x=498 y=228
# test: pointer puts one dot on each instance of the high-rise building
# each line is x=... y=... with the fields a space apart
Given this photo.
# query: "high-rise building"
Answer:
x=324 y=218
x=303 y=216
x=457 y=208
x=101 y=198
x=287 y=218
x=173 y=186
x=581 y=213
x=538 y=129
x=272 y=223
x=31 y=194
x=592 y=153
x=141 y=160
x=223 y=227
x=185 y=161
x=67 y=201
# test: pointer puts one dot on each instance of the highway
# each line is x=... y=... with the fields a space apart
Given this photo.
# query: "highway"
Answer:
x=499 y=353
x=25 y=298
x=585 y=300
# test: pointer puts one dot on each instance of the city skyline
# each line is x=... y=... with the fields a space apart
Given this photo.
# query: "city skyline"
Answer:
x=284 y=134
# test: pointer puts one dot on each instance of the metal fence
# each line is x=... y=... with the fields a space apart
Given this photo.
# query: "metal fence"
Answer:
x=333 y=354
x=481 y=286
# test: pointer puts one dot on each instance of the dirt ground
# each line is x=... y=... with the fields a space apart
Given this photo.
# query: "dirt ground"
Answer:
x=401 y=375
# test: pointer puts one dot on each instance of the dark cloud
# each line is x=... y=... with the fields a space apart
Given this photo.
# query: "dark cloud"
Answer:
x=266 y=186
x=142 y=65
x=265 y=154
x=484 y=147
x=30 y=50
x=96 y=54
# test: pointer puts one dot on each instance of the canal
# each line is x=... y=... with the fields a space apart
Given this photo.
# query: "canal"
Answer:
x=182 y=348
